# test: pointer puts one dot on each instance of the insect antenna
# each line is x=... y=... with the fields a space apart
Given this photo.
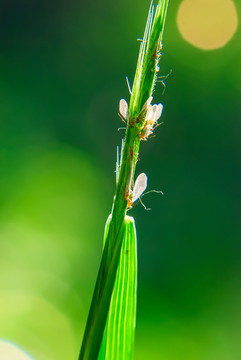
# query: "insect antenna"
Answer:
x=164 y=77
x=153 y=191
x=161 y=79
x=128 y=84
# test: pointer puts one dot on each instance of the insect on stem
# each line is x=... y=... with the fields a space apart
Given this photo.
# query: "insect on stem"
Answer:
x=123 y=110
x=139 y=187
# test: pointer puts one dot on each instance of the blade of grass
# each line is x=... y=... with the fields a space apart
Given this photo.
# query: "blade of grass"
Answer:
x=118 y=338
x=143 y=87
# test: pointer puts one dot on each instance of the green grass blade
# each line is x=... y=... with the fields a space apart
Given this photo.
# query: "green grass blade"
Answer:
x=143 y=86
x=99 y=308
x=118 y=338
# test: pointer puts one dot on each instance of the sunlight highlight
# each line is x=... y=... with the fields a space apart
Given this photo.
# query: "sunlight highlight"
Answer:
x=207 y=24
x=9 y=351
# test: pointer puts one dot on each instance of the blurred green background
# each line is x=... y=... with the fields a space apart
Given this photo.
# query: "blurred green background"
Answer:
x=62 y=73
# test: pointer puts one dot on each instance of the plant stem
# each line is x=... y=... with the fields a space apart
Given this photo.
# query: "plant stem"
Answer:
x=142 y=89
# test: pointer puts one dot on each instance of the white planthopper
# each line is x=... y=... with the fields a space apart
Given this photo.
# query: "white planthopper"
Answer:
x=139 y=187
x=138 y=190
x=123 y=109
x=153 y=114
x=157 y=111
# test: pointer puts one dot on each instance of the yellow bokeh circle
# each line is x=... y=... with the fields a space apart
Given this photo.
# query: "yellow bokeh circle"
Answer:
x=207 y=24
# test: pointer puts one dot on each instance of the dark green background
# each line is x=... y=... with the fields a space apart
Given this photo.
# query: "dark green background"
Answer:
x=62 y=73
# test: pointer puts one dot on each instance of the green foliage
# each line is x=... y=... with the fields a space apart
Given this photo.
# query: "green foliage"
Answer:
x=118 y=338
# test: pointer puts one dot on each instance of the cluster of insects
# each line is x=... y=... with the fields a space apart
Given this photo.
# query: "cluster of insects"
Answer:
x=148 y=121
x=153 y=114
x=148 y=117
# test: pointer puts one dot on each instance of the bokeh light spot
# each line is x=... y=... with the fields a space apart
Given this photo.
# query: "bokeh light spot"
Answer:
x=207 y=24
x=9 y=351
x=37 y=326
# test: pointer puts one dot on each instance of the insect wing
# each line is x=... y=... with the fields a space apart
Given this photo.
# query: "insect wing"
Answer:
x=140 y=186
x=149 y=114
x=123 y=108
x=148 y=102
x=157 y=110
